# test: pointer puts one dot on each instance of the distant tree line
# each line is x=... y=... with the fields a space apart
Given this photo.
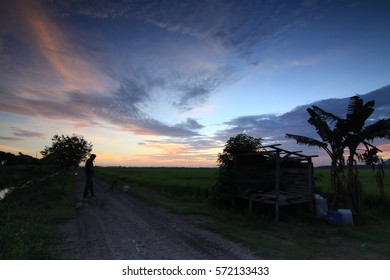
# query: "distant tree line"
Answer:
x=9 y=159
x=65 y=152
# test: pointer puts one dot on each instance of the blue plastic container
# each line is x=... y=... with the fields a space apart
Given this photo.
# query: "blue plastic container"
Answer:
x=335 y=218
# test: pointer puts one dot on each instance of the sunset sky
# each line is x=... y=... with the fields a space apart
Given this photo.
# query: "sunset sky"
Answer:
x=166 y=83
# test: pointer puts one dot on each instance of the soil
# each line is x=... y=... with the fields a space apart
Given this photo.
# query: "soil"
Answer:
x=116 y=226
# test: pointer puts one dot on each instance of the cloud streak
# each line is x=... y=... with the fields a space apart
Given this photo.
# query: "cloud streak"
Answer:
x=27 y=133
x=22 y=134
x=195 y=89
x=122 y=110
x=240 y=26
x=54 y=46
x=10 y=138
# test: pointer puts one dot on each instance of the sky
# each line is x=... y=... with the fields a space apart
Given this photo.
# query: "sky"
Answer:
x=167 y=83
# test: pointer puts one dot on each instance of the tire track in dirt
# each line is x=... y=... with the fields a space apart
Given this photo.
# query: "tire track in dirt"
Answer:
x=114 y=225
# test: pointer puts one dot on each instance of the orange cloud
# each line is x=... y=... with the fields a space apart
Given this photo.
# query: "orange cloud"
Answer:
x=57 y=50
x=385 y=148
x=174 y=154
x=172 y=160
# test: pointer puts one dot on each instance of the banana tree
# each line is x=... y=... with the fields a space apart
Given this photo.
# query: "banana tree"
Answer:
x=356 y=134
x=338 y=134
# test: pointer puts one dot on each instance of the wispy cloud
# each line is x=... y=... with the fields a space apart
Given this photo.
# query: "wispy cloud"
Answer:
x=74 y=71
x=302 y=63
x=22 y=134
x=10 y=138
x=241 y=26
x=190 y=124
x=201 y=150
x=27 y=133
x=196 y=88
x=123 y=109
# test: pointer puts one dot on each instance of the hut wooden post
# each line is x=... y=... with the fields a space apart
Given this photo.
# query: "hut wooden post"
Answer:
x=250 y=205
x=277 y=186
x=310 y=184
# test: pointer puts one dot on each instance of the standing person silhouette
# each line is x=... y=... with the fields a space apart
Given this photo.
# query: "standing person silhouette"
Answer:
x=89 y=175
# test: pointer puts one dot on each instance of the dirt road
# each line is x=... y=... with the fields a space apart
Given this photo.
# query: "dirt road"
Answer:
x=114 y=225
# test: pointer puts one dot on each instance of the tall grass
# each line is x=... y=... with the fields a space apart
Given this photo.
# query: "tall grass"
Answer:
x=367 y=177
x=14 y=175
x=29 y=217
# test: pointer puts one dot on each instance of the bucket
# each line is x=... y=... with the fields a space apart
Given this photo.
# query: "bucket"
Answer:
x=335 y=218
x=347 y=216
x=321 y=207
x=341 y=217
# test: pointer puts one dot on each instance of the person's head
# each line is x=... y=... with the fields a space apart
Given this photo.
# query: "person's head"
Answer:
x=93 y=156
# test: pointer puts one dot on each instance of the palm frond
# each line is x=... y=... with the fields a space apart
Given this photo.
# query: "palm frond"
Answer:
x=326 y=115
x=358 y=113
x=379 y=129
x=320 y=123
x=304 y=140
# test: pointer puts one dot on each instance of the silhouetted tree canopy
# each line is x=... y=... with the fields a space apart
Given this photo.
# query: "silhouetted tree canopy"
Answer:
x=239 y=144
x=67 y=151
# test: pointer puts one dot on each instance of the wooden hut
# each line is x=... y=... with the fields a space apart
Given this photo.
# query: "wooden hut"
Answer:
x=275 y=176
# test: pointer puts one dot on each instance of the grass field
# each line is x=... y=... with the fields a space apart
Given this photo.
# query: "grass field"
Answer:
x=187 y=190
x=367 y=178
x=297 y=236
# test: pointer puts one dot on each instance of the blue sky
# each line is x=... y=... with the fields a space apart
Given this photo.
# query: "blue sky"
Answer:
x=166 y=83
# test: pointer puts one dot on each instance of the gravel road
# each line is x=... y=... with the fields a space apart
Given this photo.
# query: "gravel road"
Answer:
x=117 y=226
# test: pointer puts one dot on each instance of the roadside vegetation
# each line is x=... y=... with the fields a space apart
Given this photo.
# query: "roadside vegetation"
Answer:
x=38 y=198
x=30 y=215
x=299 y=235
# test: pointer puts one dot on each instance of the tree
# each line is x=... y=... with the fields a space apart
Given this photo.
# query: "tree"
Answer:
x=67 y=151
x=356 y=134
x=239 y=144
x=349 y=133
